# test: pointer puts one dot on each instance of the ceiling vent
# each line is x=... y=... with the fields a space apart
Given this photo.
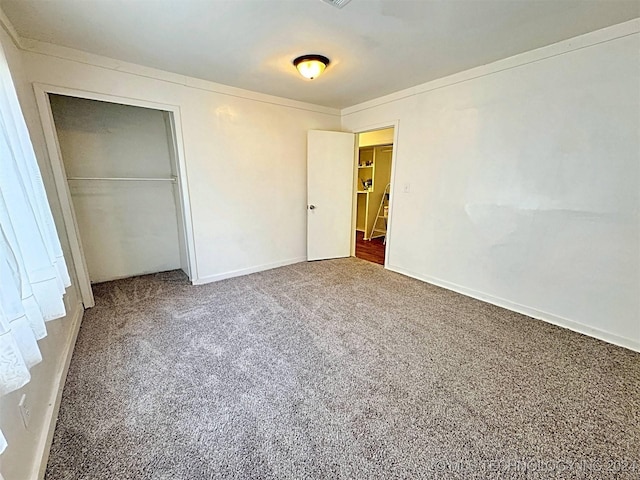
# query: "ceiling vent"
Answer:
x=337 y=3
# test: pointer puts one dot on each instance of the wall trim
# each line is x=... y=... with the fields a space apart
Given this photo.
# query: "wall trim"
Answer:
x=556 y=320
x=51 y=416
x=586 y=40
x=9 y=28
x=246 y=271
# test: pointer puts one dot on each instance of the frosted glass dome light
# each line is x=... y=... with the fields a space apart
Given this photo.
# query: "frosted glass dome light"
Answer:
x=311 y=66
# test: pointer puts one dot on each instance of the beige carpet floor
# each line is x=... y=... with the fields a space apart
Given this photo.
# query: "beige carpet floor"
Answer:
x=336 y=369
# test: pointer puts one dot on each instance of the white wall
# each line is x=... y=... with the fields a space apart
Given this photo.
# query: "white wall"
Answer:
x=127 y=228
x=21 y=459
x=524 y=182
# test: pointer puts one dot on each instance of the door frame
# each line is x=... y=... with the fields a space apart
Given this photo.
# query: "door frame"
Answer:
x=395 y=124
x=63 y=194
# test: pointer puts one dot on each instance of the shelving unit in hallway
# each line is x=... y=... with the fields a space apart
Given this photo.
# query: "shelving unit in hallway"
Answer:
x=374 y=173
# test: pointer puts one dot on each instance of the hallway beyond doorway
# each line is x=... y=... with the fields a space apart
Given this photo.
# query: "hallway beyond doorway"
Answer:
x=370 y=250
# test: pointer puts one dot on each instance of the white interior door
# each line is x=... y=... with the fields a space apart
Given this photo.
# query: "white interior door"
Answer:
x=330 y=166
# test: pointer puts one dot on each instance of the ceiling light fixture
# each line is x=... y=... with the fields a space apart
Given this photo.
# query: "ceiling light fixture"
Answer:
x=311 y=66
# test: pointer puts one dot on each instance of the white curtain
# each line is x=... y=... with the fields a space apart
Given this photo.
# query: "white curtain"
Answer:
x=33 y=274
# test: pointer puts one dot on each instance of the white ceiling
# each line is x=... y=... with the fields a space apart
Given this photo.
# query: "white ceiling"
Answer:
x=376 y=46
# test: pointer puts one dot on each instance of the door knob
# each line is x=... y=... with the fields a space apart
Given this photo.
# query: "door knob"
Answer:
x=311 y=207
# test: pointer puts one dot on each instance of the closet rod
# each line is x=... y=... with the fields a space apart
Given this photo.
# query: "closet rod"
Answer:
x=126 y=179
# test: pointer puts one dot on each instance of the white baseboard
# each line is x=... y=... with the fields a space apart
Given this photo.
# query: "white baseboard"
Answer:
x=529 y=311
x=51 y=415
x=246 y=271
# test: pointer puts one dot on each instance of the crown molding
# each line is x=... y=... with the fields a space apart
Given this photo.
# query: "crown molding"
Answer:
x=11 y=31
x=631 y=27
x=99 y=61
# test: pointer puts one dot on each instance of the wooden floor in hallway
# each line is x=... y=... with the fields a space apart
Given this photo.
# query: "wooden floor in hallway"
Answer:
x=370 y=250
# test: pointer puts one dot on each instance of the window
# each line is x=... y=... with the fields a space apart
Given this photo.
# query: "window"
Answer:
x=33 y=274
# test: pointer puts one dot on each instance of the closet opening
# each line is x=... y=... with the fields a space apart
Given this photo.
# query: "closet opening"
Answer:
x=373 y=193
x=124 y=186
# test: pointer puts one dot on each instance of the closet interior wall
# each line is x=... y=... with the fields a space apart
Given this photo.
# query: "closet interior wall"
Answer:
x=121 y=170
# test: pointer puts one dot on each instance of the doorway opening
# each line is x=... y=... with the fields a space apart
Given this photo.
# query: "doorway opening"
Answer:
x=123 y=182
x=373 y=193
